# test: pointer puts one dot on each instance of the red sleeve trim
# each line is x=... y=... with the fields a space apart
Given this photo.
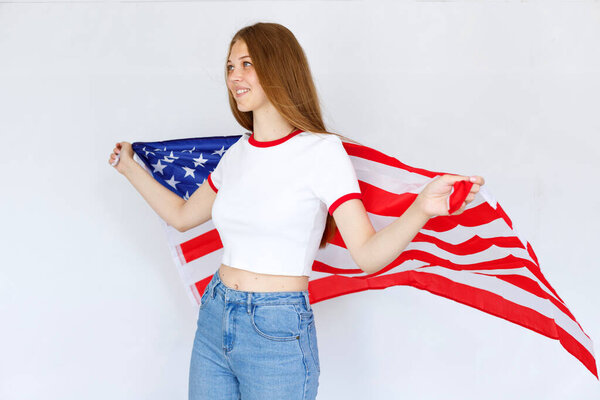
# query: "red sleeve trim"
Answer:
x=210 y=182
x=343 y=199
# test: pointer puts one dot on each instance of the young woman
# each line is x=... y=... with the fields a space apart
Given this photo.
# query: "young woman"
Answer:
x=275 y=198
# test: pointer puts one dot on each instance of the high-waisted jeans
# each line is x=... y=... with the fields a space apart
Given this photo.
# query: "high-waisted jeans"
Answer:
x=254 y=346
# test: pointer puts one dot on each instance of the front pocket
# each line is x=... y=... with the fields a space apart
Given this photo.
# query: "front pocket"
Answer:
x=276 y=321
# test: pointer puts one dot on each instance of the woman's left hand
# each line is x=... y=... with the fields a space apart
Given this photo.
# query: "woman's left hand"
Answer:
x=433 y=199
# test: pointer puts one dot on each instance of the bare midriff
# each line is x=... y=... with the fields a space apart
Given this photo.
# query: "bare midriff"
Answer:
x=249 y=281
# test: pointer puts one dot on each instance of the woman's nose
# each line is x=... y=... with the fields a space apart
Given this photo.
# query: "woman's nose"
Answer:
x=234 y=75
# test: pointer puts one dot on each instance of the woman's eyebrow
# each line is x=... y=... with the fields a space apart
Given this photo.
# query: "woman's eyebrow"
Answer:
x=239 y=58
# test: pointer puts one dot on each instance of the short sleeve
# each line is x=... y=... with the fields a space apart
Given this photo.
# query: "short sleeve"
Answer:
x=215 y=178
x=335 y=179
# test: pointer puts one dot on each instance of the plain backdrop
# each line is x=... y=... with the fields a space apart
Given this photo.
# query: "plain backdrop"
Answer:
x=91 y=305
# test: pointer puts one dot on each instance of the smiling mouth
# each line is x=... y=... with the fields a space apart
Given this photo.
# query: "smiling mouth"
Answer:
x=241 y=94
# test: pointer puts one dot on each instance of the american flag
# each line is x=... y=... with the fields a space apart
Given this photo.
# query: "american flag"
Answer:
x=475 y=258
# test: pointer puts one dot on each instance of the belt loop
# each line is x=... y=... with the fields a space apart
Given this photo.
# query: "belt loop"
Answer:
x=249 y=302
x=305 y=293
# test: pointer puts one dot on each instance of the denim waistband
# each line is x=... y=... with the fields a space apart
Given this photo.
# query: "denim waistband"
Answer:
x=216 y=286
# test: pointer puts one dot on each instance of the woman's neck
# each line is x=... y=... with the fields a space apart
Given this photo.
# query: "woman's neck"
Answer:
x=270 y=125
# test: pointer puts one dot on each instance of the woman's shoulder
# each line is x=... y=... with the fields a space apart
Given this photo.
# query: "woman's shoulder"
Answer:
x=325 y=139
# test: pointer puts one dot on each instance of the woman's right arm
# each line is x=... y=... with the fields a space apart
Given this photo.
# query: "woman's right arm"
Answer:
x=177 y=212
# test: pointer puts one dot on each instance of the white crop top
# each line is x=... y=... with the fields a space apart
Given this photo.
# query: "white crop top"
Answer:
x=273 y=198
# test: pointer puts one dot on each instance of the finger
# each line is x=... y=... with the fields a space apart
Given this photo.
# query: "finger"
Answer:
x=476 y=179
x=450 y=178
x=460 y=210
x=115 y=162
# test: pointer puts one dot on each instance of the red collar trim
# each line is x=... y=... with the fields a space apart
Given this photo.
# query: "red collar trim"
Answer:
x=270 y=143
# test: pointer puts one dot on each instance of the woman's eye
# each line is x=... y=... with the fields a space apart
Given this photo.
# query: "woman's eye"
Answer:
x=245 y=62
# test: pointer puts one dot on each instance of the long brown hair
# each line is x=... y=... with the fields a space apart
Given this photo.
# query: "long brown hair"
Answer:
x=284 y=74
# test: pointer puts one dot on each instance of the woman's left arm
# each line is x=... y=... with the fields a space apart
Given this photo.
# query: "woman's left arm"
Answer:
x=372 y=250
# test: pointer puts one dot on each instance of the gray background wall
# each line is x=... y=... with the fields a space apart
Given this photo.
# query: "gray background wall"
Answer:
x=91 y=305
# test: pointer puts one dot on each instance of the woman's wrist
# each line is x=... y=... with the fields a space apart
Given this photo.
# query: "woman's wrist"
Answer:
x=128 y=163
x=420 y=208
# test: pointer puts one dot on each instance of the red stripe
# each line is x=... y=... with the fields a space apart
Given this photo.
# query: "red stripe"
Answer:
x=373 y=155
x=368 y=153
x=504 y=215
x=210 y=182
x=533 y=287
x=342 y=199
x=201 y=245
x=203 y=283
x=336 y=285
x=532 y=254
x=381 y=202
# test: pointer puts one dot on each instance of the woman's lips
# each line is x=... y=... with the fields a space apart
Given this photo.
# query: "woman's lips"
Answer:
x=241 y=94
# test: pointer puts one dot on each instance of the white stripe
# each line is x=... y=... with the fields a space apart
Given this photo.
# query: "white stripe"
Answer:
x=460 y=234
x=522 y=271
x=516 y=295
x=490 y=254
x=408 y=265
x=195 y=270
x=392 y=179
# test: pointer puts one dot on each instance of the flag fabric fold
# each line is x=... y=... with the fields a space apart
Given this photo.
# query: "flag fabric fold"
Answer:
x=475 y=258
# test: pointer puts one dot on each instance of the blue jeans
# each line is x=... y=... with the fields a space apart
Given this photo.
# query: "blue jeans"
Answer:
x=254 y=346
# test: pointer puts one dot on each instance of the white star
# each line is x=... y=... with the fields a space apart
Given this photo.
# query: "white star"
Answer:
x=220 y=152
x=172 y=182
x=187 y=196
x=148 y=152
x=167 y=159
x=189 y=151
x=199 y=161
x=172 y=156
x=158 y=167
x=189 y=171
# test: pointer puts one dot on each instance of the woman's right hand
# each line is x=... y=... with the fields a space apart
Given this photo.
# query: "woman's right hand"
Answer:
x=125 y=153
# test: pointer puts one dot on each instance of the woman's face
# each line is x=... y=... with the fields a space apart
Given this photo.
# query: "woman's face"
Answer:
x=242 y=75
